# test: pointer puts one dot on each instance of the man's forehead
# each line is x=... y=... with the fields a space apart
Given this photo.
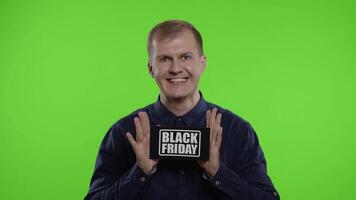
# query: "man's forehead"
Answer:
x=183 y=43
x=158 y=55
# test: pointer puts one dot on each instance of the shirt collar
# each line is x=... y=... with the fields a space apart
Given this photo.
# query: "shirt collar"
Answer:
x=195 y=117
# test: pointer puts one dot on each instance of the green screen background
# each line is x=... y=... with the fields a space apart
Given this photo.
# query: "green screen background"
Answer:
x=70 y=69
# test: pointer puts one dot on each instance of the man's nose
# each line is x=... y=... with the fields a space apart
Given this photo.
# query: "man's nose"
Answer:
x=176 y=67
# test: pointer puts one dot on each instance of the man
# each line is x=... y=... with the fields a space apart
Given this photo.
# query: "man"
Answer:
x=236 y=168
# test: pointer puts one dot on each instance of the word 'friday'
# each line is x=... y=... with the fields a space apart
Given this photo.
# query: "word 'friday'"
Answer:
x=179 y=142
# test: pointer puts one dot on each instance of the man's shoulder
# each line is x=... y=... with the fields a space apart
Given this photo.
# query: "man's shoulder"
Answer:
x=228 y=115
x=128 y=119
x=236 y=126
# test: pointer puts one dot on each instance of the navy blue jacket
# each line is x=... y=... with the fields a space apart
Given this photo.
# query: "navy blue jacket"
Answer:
x=242 y=173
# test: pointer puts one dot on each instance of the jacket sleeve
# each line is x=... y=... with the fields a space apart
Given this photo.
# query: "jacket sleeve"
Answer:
x=246 y=176
x=116 y=175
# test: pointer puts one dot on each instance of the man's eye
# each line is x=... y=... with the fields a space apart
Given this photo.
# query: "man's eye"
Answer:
x=186 y=57
x=164 y=59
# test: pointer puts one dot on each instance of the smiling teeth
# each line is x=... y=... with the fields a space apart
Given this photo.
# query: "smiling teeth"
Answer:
x=177 y=79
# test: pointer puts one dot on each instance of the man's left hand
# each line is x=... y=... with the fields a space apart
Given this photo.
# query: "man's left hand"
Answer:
x=213 y=120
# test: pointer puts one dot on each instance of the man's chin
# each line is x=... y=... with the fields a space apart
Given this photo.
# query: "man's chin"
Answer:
x=179 y=95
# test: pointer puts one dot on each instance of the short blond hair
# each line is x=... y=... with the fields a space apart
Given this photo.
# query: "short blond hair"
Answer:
x=170 y=29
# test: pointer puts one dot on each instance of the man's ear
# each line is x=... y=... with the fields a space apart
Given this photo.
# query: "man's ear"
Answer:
x=203 y=60
x=150 y=70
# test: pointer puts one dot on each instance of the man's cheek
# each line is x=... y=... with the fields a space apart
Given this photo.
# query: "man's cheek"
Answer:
x=158 y=74
x=196 y=73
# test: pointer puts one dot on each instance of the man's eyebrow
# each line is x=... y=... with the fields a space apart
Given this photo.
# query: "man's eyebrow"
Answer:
x=163 y=55
x=182 y=54
x=187 y=53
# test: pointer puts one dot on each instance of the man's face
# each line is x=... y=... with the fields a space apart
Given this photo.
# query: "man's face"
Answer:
x=176 y=65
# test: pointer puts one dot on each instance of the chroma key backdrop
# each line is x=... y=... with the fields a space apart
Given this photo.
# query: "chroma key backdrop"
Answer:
x=69 y=69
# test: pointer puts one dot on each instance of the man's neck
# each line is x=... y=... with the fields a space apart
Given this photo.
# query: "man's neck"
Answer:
x=180 y=106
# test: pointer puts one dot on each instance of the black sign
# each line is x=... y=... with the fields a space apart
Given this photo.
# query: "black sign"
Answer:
x=179 y=142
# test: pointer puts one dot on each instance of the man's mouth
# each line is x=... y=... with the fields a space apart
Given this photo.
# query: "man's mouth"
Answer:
x=178 y=80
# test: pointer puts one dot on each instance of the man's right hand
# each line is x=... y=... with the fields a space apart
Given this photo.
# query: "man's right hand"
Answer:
x=141 y=145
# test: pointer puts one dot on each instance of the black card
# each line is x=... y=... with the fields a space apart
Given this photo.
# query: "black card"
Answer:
x=179 y=142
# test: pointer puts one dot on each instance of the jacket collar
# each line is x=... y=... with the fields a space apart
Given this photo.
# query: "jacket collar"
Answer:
x=194 y=117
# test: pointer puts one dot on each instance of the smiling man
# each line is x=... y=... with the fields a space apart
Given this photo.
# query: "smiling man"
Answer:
x=236 y=168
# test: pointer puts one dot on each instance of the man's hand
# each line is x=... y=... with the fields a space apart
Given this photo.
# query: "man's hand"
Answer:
x=141 y=145
x=213 y=120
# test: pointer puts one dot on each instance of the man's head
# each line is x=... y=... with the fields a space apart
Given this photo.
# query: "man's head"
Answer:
x=176 y=59
x=170 y=29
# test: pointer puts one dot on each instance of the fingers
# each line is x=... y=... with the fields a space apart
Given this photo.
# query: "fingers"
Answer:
x=211 y=124
x=145 y=122
x=138 y=126
x=218 y=120
x=208 y=113
x=131 y=139
x=218 y=129
x=218 y=137
x=213 y=120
